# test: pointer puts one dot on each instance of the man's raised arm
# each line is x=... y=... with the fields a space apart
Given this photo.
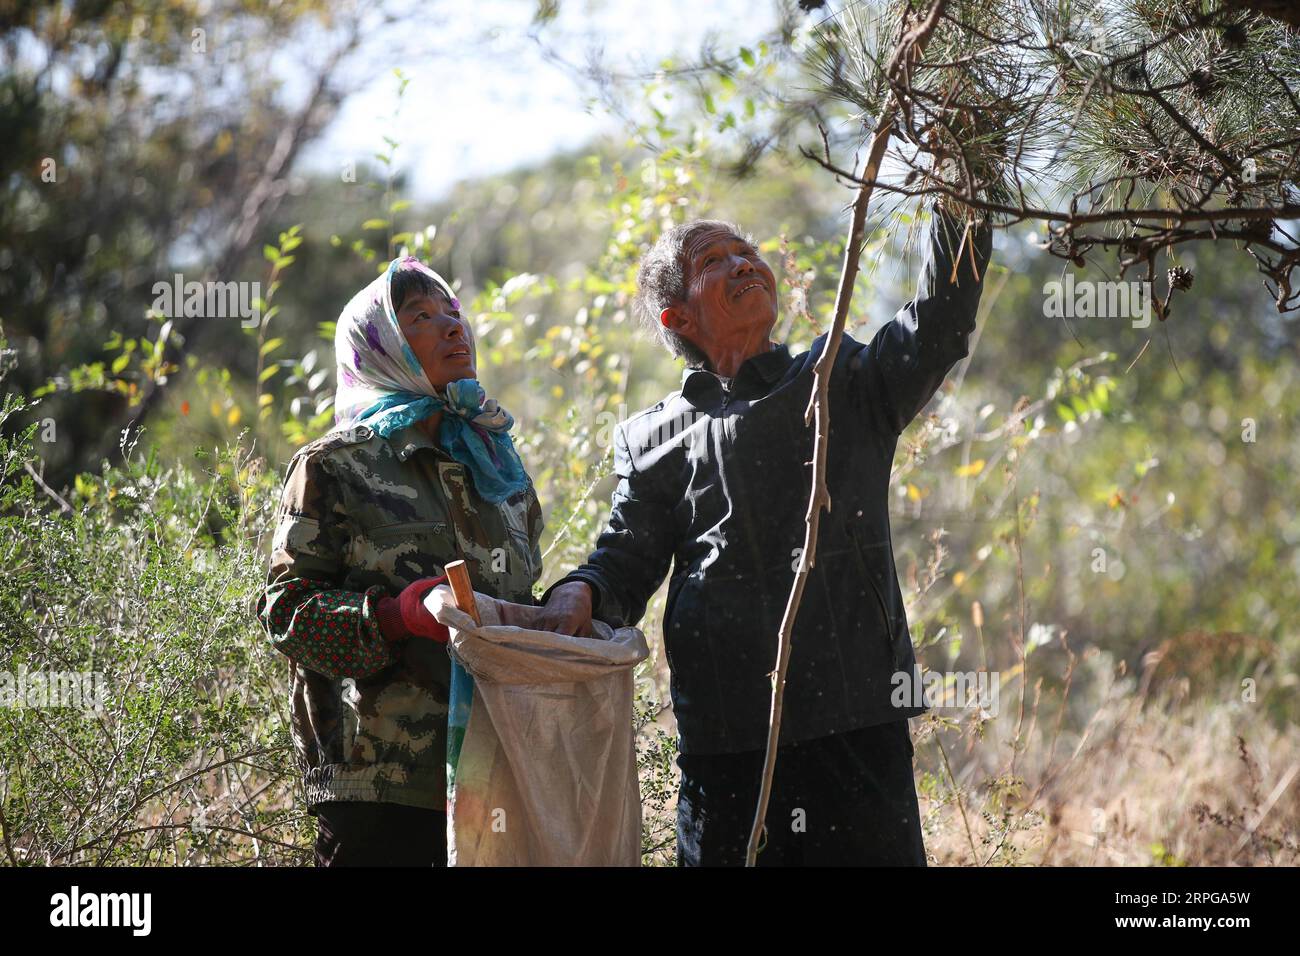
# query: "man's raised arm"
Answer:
x=906 y=362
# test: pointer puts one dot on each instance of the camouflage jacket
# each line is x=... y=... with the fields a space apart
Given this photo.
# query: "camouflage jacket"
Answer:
x=361 y=517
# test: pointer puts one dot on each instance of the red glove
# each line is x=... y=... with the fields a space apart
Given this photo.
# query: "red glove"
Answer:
x=405 y=616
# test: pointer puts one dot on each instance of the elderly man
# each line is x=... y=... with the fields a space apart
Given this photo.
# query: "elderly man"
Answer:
x=714 y=481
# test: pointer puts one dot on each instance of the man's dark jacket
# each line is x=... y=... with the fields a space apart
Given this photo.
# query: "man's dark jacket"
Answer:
x=715 y=479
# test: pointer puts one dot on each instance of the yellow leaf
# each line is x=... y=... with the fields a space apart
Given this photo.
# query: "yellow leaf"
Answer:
x=233 y=416
x=913 y=493
x=215 y=408
x=971 y=470
x=959 y=578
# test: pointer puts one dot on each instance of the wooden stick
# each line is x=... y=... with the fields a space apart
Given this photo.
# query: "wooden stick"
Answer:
x=909 y=48
x=461 y=590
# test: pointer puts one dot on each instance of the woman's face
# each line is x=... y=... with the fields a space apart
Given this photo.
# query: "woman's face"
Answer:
x=440 y=339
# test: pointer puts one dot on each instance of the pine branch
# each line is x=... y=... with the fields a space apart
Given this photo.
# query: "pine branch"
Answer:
x=1132 y=127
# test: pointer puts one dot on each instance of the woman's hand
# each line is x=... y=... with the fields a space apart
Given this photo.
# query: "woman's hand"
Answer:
x=405 y=616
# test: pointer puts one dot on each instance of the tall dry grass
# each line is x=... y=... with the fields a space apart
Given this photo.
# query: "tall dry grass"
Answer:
x=1116 y=770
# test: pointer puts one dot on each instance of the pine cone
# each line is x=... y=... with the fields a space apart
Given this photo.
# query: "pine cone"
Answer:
x=1180 y=278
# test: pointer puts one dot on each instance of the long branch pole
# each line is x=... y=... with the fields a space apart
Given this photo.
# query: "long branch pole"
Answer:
x=909 y=49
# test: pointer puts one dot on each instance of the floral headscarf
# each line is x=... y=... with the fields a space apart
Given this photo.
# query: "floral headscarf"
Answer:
x=381 y=384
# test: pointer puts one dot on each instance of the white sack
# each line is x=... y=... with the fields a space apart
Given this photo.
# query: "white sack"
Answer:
x=546 y=774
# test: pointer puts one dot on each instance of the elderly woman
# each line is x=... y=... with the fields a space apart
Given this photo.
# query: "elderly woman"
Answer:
x=419 y=470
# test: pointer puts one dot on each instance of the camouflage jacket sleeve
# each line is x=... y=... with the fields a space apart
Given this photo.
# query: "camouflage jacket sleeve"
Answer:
x=308 y=618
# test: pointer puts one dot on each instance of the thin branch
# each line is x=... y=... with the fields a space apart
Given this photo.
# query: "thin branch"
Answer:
x=63 y=505
x=910 y=48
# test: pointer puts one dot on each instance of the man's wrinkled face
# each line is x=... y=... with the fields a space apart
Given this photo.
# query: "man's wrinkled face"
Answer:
x=438 y=336
x=730 y=291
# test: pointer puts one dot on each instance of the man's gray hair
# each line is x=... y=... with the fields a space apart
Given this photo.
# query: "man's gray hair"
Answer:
x=662 y=281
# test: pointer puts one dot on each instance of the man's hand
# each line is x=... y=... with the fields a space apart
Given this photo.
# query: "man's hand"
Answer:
x=568 y=611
